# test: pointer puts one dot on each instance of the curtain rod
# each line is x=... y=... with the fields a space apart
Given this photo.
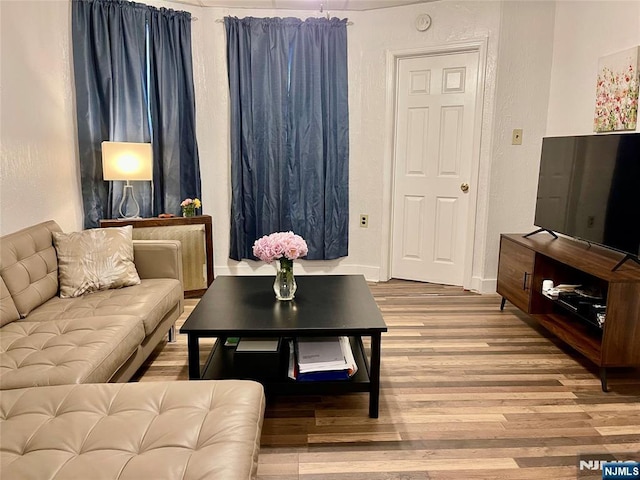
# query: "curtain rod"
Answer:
x=221 y=20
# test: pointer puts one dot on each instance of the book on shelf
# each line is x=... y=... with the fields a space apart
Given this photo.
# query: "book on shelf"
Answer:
x=258 y=345
x=231 y=341
x=329 y=375
x=318 y=359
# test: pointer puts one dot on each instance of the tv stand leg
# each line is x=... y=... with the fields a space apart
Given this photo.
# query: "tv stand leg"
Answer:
x=603 y=379
x=502 y=302
x=628 y=256
x=541 y=230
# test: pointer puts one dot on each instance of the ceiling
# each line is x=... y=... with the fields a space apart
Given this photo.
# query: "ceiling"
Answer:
x=321 y=5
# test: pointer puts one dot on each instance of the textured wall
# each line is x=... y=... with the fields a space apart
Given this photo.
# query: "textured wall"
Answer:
x=38 y=174
x=522 y=94
x=584 y=32
x=529 y=89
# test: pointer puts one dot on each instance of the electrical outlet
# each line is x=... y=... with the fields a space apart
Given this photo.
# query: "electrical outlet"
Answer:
x=364 y=220
x=516 y=136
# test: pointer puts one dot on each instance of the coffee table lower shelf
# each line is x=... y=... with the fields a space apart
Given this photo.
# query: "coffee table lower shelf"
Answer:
x=220 y=365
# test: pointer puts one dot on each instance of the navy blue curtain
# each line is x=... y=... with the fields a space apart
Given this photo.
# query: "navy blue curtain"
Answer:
x=289 y=132
x=319 y=137
x=109 y=45
x=113 y=66
x=173 y=110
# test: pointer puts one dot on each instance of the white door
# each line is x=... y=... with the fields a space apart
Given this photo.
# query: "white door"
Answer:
x=434 y=148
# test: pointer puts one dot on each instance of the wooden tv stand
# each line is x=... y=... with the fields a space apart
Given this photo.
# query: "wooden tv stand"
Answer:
x=525 y=262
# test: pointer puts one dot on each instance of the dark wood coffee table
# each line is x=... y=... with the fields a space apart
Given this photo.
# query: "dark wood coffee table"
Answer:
x=325 y=305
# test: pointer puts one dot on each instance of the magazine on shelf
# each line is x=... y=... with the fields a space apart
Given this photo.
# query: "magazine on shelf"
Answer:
x=318 y=354
x=332 y=369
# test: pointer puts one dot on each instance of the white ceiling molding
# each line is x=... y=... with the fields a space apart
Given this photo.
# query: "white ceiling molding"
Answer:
x=325 y=5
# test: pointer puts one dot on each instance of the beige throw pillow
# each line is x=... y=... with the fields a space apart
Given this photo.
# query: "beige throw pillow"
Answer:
x=95 y=259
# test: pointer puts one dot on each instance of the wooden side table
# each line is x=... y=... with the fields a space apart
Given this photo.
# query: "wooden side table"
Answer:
x=175 y=222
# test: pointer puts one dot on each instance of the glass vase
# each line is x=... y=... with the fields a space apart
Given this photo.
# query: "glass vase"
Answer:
x=188 y=212
x=285 y=283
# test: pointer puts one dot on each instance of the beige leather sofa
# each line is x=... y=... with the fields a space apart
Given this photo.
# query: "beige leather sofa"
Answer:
x=200 y=430
x=103 y=336
x=59 y=420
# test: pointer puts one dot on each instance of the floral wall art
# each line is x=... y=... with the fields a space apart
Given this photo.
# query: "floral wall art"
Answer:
x=617 y=91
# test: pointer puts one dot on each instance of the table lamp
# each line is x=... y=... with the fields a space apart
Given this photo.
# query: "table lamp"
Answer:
x=127 y=161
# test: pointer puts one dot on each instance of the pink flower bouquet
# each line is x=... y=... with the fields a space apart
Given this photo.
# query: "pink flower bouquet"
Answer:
x=279 y=245
x=188 y=202
x=189 y=206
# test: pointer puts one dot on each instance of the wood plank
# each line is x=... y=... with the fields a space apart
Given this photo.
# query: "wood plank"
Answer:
x=467 y=392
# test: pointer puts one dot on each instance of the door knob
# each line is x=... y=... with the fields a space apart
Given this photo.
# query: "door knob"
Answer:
x=464 y=187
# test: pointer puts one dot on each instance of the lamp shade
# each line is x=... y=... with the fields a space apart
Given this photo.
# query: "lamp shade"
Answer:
x=127 y=161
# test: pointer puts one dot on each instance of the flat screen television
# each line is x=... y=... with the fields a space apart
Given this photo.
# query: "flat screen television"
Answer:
x=589 y=188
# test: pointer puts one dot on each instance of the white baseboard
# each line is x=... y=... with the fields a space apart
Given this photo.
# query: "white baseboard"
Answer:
x=371 y=274
x=480 y=285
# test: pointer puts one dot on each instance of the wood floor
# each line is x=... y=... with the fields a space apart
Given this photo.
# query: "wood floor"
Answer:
x=467 y=392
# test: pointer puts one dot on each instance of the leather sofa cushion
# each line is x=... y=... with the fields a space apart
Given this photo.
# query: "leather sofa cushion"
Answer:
x=150 y=302
x=205 y=430
x=8 y=310
x=29 y=266
x=66 y=351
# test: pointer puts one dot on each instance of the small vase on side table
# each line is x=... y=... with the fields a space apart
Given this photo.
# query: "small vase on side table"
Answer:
x=189 y=211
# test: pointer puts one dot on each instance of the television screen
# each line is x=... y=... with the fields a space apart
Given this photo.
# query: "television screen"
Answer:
x=589 y=188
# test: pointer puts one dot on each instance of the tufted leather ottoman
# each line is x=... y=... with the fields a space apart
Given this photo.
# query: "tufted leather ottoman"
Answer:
x=164 y=430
